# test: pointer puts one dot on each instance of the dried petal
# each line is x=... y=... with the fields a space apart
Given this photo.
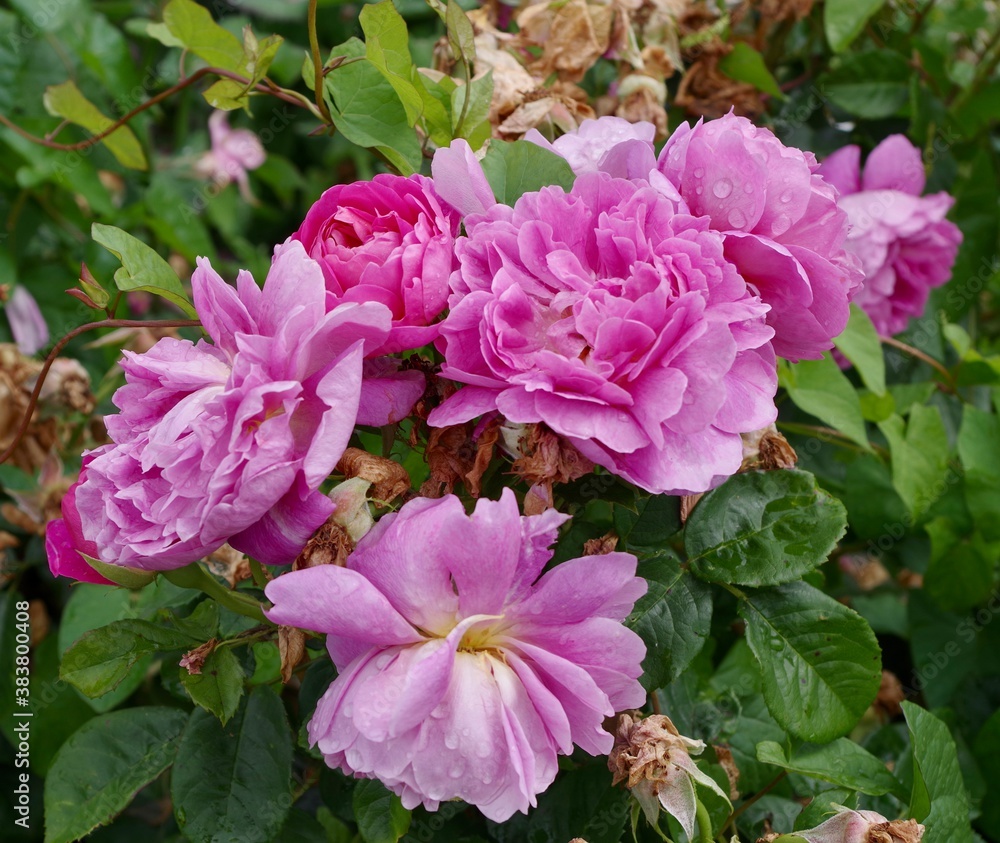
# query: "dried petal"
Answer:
x=388 y=478
x=292 y=648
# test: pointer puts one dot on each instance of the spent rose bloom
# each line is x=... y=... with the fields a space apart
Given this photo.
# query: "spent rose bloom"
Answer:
x=389 y=240
x=856 y=827
x=613 y=318
x=463 y=670
x=231 y=441
x=233 y=153
x=903 y=240
x=783 y=229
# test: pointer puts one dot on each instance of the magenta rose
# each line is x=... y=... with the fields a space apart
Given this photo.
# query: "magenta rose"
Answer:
x=463 y=670
x=616 y=320
x=229 y=442
x=64 y=541
x=783 y=229
x=903 y=240
x=388 y=240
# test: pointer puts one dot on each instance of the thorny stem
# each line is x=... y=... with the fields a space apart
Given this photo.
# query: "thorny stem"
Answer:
x=59 y=346
x=948 y=385
x=286 y=96
x=317 y=64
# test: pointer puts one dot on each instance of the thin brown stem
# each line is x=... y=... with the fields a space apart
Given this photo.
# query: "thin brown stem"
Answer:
x=766 y=789
x=949 y=384
x=317 y=63
x=186 y=82
x=59 y=346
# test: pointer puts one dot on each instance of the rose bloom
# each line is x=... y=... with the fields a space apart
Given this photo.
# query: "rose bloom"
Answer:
x=233 y=153
x=903 y=240
x=463 y=671
x=64 y=541
x=231 y=441
x=857 y=827
x=389 y=240
x=613 y=318
x=781 y=222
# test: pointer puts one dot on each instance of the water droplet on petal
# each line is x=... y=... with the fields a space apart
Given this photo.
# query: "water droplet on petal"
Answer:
x=747 y=187
x=780 y=225
x=786 y=196
x=699 y=172
x=699 y=190
x=456 y=771
x=483 y=751
x=737 y=219
x=450 y=741
x=722 y=188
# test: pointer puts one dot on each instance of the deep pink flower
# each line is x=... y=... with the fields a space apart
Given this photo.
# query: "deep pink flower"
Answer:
x=782 y=226
x=609 y=145
x=389 y=240
x=615 y=320
x=231 y=441
x=463 y=673
x=64 y=541
x=903 y=240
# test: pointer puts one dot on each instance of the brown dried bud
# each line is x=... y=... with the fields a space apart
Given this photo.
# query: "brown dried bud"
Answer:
x=547 y=458
x=725 y=758
x=388 y=478
x=641 y=98
x=38 y=621
x=194 y=660
x=890 y=695
x=573 y=36
x=865 y=570
x=688 y=503
x=329 y=545
x=68 y=386
x=292 y=647
x=858 y=827
x=600 y=546
x=454 y=456
x=227 y=562
x=767 y=450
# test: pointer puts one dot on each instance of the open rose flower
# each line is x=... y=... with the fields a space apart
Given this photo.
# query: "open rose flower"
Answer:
x=903 y=240
x=230 y=442
x=610 y=145
x=64 y=541
x=464 y=672
x=616 y=320
x=783 y=229
x=389 y=240
x=234 y=152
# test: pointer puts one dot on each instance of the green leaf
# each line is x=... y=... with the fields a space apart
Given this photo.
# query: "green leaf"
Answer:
x=919 y=452
x=844 y=20
x=653 y=521
x=219 y=686
x=480 y=94
x=860 y=344
x=66 y=101
x=673 y=618
x=103 y=657
x=960 y=574
x=380 y=816
x=939 y=800
x=763 y=528
x=194 y=27
x=820 y=663
x=745 y=64
x=132 y=578
x=979 y=451
x=841 y=762
x=367 y=110
x=142 y=268
x=873 y=84
x=387 y=48
x=519 y=167
x=822 y=390
x=986 y=747
x=461 y=35
x=104 y=764
x=233 y=782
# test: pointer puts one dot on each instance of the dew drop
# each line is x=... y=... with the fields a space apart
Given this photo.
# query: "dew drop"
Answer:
x=780 y=225
x=456 y=771
x=786 y=196
x=722 y=188
x=737 y=219
x=748 y=188
x=699 y=190
x=450 y=741
x=699 y=172
x=483 y=751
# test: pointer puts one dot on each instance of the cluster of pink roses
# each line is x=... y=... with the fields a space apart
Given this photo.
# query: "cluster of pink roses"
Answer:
x=638 y=315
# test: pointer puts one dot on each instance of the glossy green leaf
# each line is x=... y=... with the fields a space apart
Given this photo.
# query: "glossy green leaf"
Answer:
x=100 y=659
x=219 y=686
x=192 y=25
x=461 y=35
x=142 y=268
x=66 y=101
x=763 y=528
x=745 y=64
x=986 y=747
x=873 y=84
x=387 y=48
x=820 y=664
x=651 y=523
x=822 y=390
x=860 y=344
x=518 y=167
x=939 y=800
x=104 y=764
x=960 y=574
x=673 y=618
x=919 y=453
x=380 y=816
x=233 y=782
x=843 y=20
x=367 y=110
x=841 y=762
